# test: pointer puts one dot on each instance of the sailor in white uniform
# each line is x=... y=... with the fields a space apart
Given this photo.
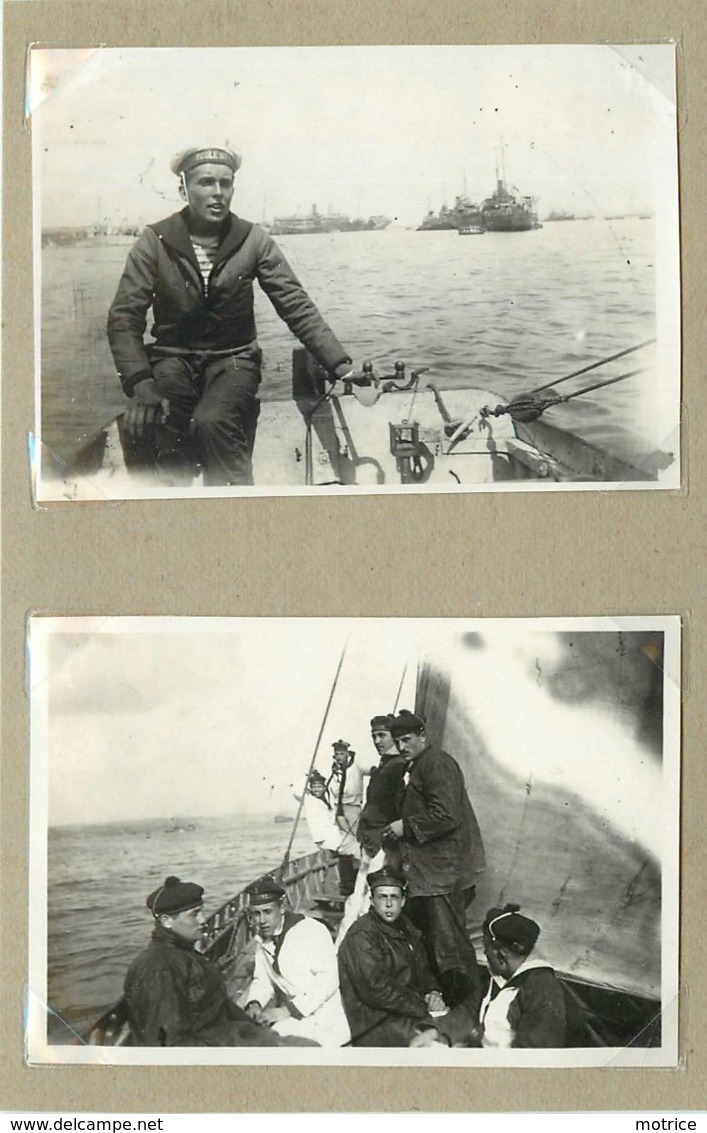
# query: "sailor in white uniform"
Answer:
x=321 y=818
x=345 y=786
x=295 y=986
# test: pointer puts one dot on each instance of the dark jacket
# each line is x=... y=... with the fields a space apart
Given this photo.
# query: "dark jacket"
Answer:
x=162 y=272
x=442 y=846
x=533 y=1010
x=384 y=801
x=177 y=997
x=384 y=976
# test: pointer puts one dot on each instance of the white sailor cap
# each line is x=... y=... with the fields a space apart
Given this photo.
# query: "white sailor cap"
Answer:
x=188 y=159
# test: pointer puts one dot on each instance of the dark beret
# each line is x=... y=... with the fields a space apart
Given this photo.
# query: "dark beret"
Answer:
x=316 y=777
x=382 y=722
x=509 y=927
x=386 y=877
x=406 y=722
x=174 y=896
x=341 y=745
x=264 y=890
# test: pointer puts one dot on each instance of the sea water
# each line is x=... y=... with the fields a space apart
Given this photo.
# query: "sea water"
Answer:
x=501 y=311
x=99 y=877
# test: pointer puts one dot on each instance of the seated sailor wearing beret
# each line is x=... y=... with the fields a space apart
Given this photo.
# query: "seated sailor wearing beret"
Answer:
x=175 y=996
x=295 y=986
x=387 y=985
x=195 y=387
x=525 y=1005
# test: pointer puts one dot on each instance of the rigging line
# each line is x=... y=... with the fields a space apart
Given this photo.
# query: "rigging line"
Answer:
x=600 y=385
x=593 y=366
x=400 y=689
x=314 y=753
x=309 y=419
x=414 y=395
x=308 y=462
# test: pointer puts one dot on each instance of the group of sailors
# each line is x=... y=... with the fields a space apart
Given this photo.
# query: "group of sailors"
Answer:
x=403 y=971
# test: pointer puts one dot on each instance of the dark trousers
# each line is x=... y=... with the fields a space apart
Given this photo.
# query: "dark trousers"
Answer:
x=442 y=921
x=348 y=871
x=213 y=413
x=245 y=1032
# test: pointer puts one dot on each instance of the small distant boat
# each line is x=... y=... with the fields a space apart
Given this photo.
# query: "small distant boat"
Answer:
x=472 y=230
x=283 y=818
x=178 y=827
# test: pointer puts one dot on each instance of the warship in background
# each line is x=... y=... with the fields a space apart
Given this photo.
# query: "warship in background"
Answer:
x=463 y=214
x=316 y=221
x=503 y=211
x=506 y=211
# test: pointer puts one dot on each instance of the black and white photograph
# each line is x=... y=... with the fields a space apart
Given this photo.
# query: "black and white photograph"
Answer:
x=324 y=841
x=466 y=258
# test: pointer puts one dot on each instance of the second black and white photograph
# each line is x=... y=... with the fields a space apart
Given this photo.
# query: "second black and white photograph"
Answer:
x=335 y=270
x=355 y=842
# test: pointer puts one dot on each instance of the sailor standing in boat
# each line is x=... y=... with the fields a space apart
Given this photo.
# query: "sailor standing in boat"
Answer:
x=442 y=853
x=384 y=797
x=345 y=787
x=295 y=986
x=174 y=995
x=384 y=800
x=320 y=815
x=196 y=386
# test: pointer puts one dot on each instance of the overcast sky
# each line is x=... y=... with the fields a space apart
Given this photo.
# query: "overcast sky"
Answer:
x=183 y=720
x=136 y=718
x=362 y=130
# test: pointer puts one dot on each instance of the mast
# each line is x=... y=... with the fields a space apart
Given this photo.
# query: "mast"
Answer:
x=316 y=750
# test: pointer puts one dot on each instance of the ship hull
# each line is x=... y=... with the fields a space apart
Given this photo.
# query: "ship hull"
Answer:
x=513 y=222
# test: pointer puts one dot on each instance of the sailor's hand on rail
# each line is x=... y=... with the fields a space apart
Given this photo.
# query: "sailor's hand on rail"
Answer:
x=343 y=372
x=146 y=408
x=346 y=373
